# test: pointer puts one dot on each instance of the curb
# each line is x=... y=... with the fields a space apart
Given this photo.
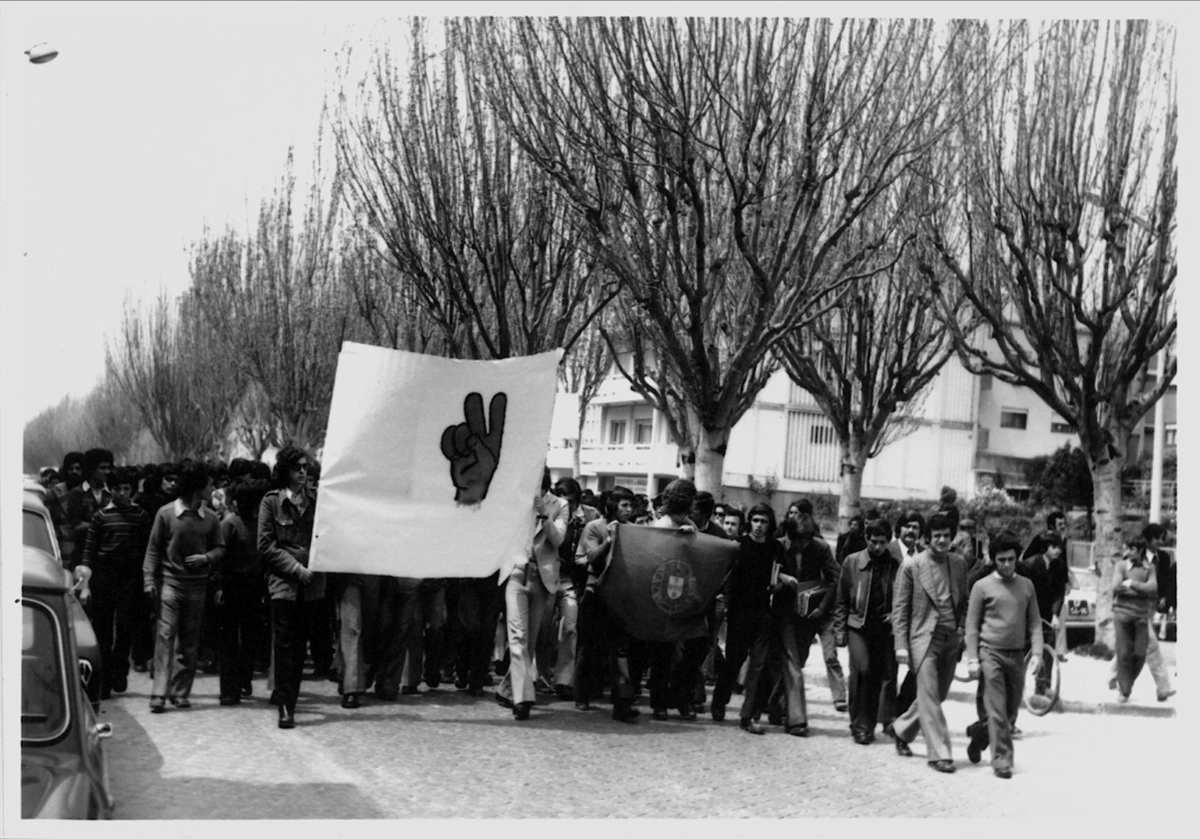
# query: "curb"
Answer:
x=1070 y=706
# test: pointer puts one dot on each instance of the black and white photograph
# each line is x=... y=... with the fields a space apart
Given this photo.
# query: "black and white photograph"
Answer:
x=598 y=411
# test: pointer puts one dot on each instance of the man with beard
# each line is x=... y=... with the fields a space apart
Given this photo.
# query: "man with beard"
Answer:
x=862 y=620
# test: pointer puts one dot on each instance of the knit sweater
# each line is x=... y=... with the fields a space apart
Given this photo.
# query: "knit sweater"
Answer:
x=178 y=533
x=1003 y=614
x=116 y=539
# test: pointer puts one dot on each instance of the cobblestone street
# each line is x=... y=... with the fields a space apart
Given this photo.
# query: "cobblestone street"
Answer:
x=444 y=754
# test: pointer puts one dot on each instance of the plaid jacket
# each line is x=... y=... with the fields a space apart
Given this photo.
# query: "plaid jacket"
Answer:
x=914 y=615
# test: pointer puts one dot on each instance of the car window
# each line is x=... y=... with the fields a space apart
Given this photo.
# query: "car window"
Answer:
x=37 y=533
x=44 y=712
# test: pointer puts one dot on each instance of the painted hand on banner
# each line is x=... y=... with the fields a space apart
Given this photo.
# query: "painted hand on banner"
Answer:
x=473 y=447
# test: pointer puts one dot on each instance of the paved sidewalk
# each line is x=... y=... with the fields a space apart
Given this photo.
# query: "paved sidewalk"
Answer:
x=1084 y=685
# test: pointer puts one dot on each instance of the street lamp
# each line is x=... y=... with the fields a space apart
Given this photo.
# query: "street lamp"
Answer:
x=41 y=53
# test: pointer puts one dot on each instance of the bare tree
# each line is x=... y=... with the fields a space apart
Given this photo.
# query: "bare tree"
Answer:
x=253 y=423
x=278 y=298
x=1062 y=235
x=717 y=166
x=582 y=371
x=477 y=236
x=869 y=361
x=111 y=419
x=161 y=362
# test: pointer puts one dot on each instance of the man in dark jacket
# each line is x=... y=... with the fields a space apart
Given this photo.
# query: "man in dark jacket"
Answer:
x=862 y=620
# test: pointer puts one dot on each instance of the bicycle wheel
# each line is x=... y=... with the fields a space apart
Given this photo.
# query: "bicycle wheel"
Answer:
x=1041 y=691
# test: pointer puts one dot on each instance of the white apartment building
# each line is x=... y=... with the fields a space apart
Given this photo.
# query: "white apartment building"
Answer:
x=967 y=431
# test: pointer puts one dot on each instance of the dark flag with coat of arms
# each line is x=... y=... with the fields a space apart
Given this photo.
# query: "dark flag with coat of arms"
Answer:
x=659 y=581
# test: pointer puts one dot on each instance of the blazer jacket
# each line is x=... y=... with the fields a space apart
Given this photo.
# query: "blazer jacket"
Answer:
x=549 y=537
x=914 y=615
x=854 y=590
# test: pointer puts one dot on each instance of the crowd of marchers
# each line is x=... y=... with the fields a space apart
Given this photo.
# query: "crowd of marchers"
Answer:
x=204 y=566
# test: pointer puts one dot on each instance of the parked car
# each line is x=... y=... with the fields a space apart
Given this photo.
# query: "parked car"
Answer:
x=38 y=532
x=64 y=772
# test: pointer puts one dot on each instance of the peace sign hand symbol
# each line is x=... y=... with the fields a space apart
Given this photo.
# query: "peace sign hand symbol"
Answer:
x=473 y=450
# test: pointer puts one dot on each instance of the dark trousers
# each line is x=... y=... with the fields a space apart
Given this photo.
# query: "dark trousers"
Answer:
x=451 y=631
x=748 y=634
x=1132 y=636
x=480 y=602
x=399 y=613
x=144 y=629
x=426 y=640
x=1003 y=678
x=785 y=666
x=673 y=669
x=237 y=615
x=111 y=611
x=316 y=631
x=288 y=652
x=602 y=654
x=872 y=677
x=714 y=661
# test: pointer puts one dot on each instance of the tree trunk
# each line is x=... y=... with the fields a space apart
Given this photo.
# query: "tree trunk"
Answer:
x=854 y=459
x=710 y=459
x=1108 y=542
x=579 y=440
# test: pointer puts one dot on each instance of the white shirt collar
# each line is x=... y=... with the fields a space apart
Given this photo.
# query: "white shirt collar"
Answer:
x=180 y=509
x=296 y=498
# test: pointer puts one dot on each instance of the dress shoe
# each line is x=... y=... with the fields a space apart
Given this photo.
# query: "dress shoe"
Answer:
x=120 y=684
x=889 y=731
x=718 y=713
x=409 y=690
x=564 y=692
x=286 y=718
x=521 y=710
x=350 y=700
x=902 y=748
x=862 y=739
x=946 y=766
x=460 y=684
x=247 y=691
x=158 y=704
x=231 y=700
x=1002 y=772
x=625 y=714
x=699 y=707
x=503 y=701
x=751 y=727
x=583 y=706
x=974 y=752
x=140 y=668
x=660 y=714
x=840 y=707
x=774 y=718
x=1163 y=696
x=180 y=702
x=687 y=714
x=800 y=730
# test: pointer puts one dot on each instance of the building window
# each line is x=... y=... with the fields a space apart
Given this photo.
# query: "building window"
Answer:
x=643 y=431
x=985 y=381
x=1060 y=428
x=1014 y=419
x=1169 y=437
x=822 y=435
x=983 y=439
x=616 y=432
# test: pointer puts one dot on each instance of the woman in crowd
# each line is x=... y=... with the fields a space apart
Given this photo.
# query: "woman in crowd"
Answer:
x=285 y=526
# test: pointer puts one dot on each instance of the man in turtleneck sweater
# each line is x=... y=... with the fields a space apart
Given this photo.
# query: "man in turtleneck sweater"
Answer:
x=1002 y=616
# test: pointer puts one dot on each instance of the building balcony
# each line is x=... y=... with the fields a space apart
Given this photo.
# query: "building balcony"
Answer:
x=628 y=458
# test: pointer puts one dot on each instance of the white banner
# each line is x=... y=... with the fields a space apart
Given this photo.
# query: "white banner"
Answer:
x=431 y=464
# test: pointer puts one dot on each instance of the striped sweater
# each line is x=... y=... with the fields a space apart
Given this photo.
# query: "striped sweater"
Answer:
x=116 y=539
